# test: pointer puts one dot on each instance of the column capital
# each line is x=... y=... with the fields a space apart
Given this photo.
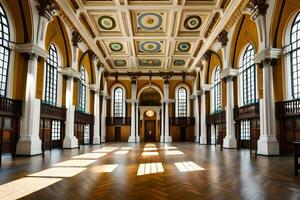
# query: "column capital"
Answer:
x=76 y=38
x=46 y=7
x=228 y=73
x=223 y=38
x=94 y=87
x=31 y=48
x=268 y=54
x=168 y=101
x=132 y=101
x=70 y=72
x=258 y=7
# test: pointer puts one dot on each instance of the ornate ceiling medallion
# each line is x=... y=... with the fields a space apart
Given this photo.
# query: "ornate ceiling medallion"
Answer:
x=120 y=63
x=150 y=47
x=107 y=23
x=150 y=62
x=179 y=62
x=116 y=46
x=150 y=21
x=184 y=46
x=192 y=22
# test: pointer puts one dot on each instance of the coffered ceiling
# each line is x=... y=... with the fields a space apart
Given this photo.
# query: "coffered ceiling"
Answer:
x=148 y=35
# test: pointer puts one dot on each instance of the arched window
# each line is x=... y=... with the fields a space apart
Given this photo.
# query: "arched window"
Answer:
x=4 y=51
x=182 y=102
x=248 y=77
x=118 y=102
x=51 y=76
x=82 y=90
x=295 y=57
x=217 y=90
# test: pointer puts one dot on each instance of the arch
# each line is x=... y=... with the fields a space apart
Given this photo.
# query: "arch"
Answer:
x=150 y=86
x=112 y=90
x=177 y=99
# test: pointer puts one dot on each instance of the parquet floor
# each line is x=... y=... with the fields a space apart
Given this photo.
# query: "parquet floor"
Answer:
x=149 y=171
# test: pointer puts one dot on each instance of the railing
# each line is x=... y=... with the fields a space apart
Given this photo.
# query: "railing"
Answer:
x=288 y=108
x=216 y=118
x=53 y=112
x=182 y=121
x=112 y=121
x=10 y=107
x=84 y=118
x=247 y=112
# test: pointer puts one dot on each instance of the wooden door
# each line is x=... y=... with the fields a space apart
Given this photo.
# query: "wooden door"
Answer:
x=182 y=134
x=117 y=134
x=150 y=130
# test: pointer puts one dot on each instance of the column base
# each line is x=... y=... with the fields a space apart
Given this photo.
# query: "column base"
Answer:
x=168 y=139
x=229 y=143
x=133 y=139
x=268 y=147
x=96 y=140
x=203 y=140
x=70 y=143
x=29 y=146
x=161 y=139
x=197 y=140
x=102 y=140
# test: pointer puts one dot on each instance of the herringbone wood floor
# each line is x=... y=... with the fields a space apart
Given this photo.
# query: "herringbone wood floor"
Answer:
x=229 y=174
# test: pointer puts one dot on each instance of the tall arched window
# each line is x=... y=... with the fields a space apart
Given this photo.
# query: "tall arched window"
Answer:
x=182 y=102
x=217 y=90
x=295 y=57
x=82 y=89
x=118 y=102
x=4 y=51
x=248 y=77
x=51 y=76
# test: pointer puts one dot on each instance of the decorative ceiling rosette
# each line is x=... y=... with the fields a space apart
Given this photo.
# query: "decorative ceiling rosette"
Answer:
x=150 y=21
x=192 y=22
x=107 y=23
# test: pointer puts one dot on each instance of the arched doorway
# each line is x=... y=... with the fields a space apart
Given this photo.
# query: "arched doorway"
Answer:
x=150 y=111
x=150 y=118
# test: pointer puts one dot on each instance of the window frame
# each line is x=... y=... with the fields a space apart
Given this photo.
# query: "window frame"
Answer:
x=217 y=90
x=82 y=101
x=120 y=102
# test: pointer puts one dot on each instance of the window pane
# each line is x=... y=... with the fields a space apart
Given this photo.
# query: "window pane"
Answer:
x=118 y=102
x=217 y=90
x=248 y=77
x=82 y=90
x=182 y=102
x=295 y=58
x=4 y=51
x=51 y=76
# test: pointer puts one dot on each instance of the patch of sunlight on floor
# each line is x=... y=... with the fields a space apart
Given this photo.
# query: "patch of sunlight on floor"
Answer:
x=150 y=153
x=103 y=151
x=176 y=152
x=24 y=186
x=74 y=163
x=126 y=148
x=120 y=152
x=104 y=168
x=150 y=149
x=168 y=148
x=150 y=145
x=90 y=155
x=61 y=172
x=188 y=166
x=150 y=168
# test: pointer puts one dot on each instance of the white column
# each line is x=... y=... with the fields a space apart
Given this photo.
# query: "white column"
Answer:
x=203 y=137
x=162 y=123
x=212 y=133
x=137 y=121
x=104 y=112
x=168 y=138
x=229 y=140
x=267 y=143
x=70 y=141
x=196 y=110
x=96 y=135
x=134 y=137
x=30 y=142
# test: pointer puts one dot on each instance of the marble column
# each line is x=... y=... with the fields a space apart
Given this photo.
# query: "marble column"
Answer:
x=30 y=142
x=134 y=137
x=104 y=112
x=229 y=140
x=162 y=122
x=168 y=138
x=196 y=111
x=203 y=137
